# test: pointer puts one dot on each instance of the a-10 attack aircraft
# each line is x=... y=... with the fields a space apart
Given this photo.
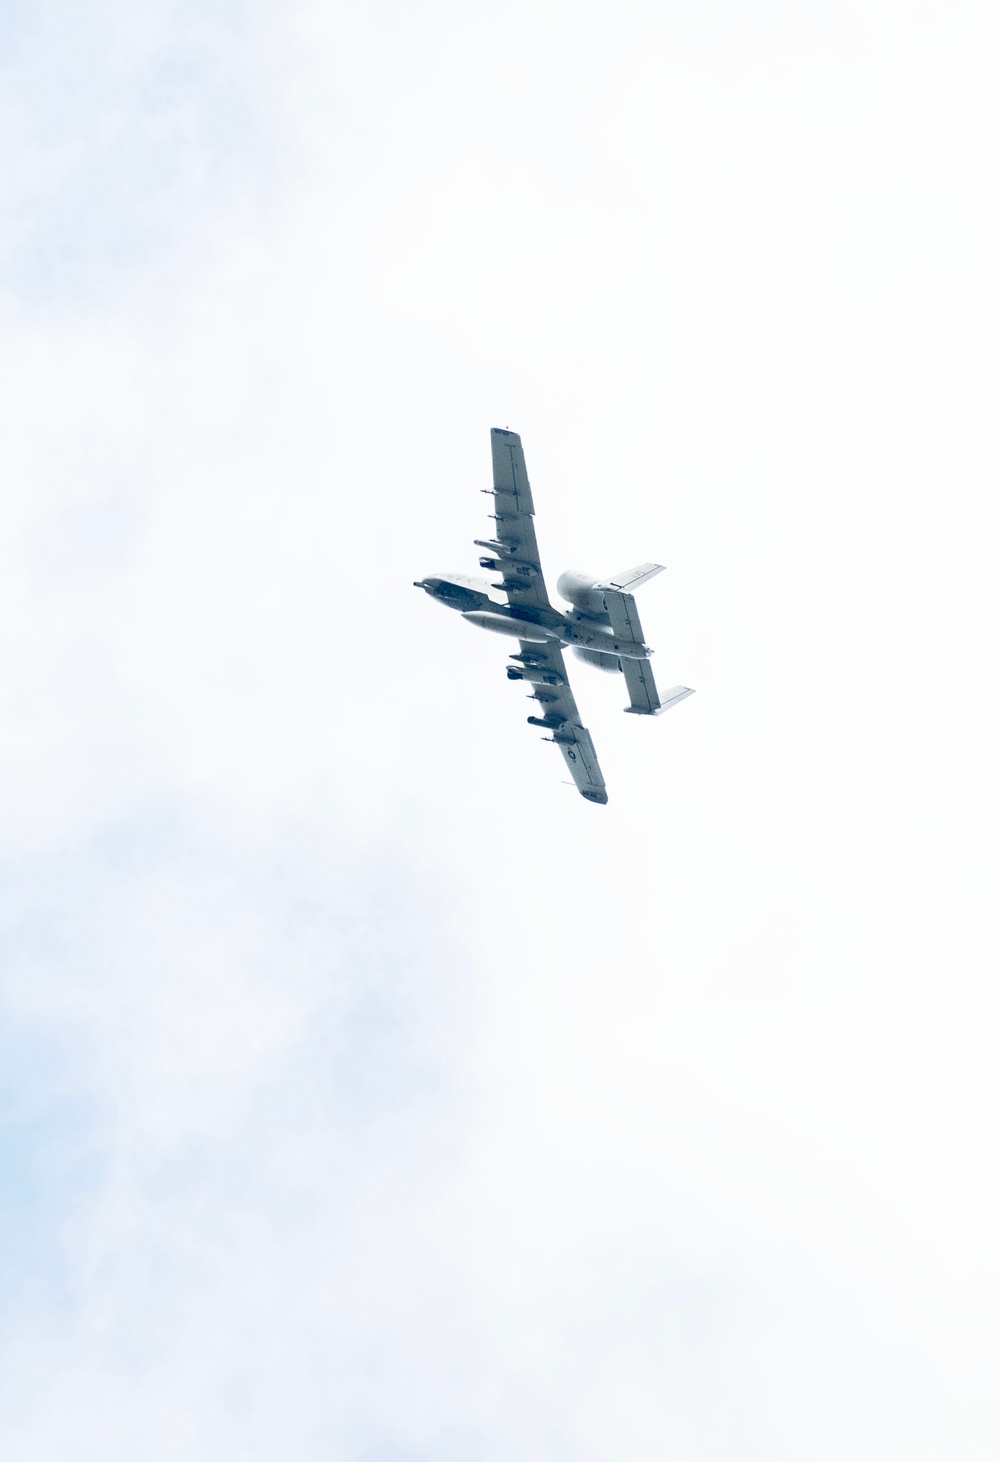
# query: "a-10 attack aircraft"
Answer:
x=601 y=628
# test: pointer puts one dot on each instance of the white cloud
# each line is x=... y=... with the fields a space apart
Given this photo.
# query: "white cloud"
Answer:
x=428 y=1110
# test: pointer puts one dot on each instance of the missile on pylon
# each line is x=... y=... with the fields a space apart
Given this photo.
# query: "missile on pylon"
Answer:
x=537 y=674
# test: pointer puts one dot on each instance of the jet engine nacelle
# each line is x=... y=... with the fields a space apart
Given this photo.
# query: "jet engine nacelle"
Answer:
x=579 y=590
x=600 y=658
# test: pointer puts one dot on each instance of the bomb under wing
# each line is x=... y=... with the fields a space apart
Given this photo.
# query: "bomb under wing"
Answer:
x=601 y=625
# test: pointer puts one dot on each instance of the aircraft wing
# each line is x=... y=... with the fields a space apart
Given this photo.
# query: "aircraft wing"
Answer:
x=543 y=666
x=515 y=546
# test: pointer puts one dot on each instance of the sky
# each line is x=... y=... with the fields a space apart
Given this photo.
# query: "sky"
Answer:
x=365 y=1094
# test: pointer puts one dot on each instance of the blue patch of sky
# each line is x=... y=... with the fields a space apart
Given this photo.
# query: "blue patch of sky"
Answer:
x=393 y=1452
x=375 y=947
x=48 y=1163
x=399 y=972
x=49 y=1160
x=127 y=148
x=84 y=544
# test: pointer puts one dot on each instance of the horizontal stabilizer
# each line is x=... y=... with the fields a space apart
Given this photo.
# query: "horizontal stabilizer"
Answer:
x=630 y=579
x=623 y=614
x=644 y=697
x=656 y=704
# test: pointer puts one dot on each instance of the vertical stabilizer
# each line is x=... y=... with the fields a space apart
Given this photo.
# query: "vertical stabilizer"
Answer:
x=644 y=697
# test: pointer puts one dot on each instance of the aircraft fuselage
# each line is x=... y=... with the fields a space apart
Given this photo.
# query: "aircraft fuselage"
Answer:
x=464 y=594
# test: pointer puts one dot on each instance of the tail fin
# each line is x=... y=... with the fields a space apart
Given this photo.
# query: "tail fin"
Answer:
x=619 y=601
x=644 y=697
x=642 y=692
x=622 y=613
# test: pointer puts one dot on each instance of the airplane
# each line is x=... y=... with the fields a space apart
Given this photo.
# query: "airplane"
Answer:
x=602 y=627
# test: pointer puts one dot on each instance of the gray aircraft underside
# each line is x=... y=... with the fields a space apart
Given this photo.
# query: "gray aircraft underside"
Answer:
x=602 y=627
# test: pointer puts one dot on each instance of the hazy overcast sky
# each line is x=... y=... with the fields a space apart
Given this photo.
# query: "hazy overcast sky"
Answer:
x=365 y=1094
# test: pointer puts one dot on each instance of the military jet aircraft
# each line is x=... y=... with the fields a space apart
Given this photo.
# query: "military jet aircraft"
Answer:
x=602 y=627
